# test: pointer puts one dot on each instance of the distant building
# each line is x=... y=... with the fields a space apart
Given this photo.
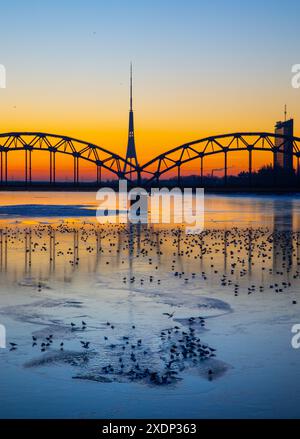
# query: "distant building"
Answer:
x=284 y=159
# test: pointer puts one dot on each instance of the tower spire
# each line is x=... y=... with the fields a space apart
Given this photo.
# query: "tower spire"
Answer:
x=131 y=86
x=131 y=156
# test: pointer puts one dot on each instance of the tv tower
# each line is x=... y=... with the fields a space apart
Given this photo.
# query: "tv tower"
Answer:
x=131 y=156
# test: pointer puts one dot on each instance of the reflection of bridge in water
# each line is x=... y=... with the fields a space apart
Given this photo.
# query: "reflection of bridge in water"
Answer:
x=152 y=171
x=146 y=254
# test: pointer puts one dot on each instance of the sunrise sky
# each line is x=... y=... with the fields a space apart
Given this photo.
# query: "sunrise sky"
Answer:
x=200 y=68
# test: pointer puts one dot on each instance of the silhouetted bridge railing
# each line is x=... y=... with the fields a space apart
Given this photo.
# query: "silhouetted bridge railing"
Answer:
x=151 y=171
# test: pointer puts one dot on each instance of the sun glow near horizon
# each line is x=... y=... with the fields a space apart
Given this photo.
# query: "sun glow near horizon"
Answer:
x=189 y=81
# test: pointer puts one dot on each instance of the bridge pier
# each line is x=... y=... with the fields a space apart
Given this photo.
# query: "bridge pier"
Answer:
x=201 y=170
x=28 y=174
x=26 y=166
x=275 y=168
x=52 y=167
x=139 y=178
x=250 y=166
x=225 y=167
x=5 y=167
x=99 y=174
x=1 y=166
x=76 y=170
x=178 y=175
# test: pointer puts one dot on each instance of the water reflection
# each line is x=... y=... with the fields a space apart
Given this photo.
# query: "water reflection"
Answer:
x=283 y=238
x=141 y=253
x=156 y=284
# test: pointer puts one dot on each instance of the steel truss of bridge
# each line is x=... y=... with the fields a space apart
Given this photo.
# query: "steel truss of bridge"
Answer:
x=153 y=170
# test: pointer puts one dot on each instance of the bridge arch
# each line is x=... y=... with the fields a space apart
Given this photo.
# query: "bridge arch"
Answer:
x=150 y=171
x=57 y=144
x=219 y=144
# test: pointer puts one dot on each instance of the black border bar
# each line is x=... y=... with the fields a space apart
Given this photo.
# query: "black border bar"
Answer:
x=135 y=428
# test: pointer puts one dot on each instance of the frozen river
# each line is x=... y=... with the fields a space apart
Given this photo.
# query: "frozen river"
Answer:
x=118 y=321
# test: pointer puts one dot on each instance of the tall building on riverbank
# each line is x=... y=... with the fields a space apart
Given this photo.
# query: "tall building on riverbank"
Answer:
x=284 y=159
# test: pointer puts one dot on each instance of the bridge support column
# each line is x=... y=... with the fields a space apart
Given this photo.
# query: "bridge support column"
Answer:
x=99 y=174
x=250 y=167
x=178 y=175
x=5 y=167
x=225 y=168
x=139 y=177
x=30 y=168
x=1 y=167
x=52 y=167
x=275 y=169
x=298 y=170
x=27 y=166
x=76 y=170
x=201 y=170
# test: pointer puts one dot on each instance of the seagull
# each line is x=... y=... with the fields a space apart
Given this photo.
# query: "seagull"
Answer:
x=170 y=315
x=13 y=345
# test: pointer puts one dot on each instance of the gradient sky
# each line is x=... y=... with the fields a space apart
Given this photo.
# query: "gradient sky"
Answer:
x=200 y=68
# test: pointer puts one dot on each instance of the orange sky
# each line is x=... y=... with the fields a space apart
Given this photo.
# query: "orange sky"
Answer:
x=174 y=121
x=225 y=75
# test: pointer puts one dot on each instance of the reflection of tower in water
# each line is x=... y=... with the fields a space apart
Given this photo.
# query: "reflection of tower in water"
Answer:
x=134 y=237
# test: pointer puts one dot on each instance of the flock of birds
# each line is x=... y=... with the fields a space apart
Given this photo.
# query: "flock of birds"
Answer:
x=215 y=257
x=178 y=349
x=239 y=260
